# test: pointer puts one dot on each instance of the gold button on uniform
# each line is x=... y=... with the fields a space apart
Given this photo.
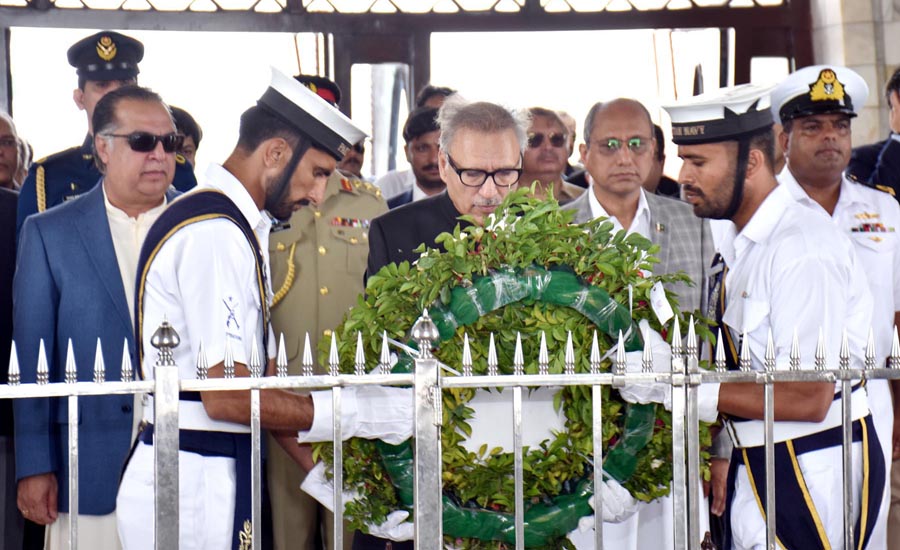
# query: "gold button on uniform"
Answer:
x=322 y=251
x=279 y=247
x=317 y=214
x=326 y=333
x=323 y=291
x=353 y=240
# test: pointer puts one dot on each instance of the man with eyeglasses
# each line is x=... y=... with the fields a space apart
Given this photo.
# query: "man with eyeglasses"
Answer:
x=815 y=106
x=618 y=155
x=422 y=136
x=75 y=284
x=545 y=158
x=104 y=62
x=480 y=159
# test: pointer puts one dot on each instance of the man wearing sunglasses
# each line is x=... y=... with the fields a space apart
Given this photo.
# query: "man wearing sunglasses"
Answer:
x=75 y=285
x=480 y=160
x=618 y=155
x=545 y=158
x=104 y=62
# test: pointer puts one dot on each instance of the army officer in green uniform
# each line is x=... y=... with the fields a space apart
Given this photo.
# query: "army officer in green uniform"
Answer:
x=104 y=62
x=317 y=267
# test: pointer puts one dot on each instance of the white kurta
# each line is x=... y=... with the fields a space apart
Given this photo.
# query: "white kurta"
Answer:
x=204 y=282
x=396 y=182
x=791 y=268
x=871 y=219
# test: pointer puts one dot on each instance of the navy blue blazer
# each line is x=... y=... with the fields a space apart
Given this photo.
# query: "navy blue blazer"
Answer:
x=68 y=286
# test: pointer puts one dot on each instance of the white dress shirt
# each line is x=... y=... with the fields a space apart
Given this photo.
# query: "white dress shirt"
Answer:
x=128 y=235
x=641 y=222
x=792 y=269
x=204 y=282
x=396 y=182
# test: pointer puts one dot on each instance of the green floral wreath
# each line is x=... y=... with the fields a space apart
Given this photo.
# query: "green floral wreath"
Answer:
x=530 y=271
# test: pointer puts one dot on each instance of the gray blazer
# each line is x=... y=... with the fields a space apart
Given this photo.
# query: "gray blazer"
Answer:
x=685 y=242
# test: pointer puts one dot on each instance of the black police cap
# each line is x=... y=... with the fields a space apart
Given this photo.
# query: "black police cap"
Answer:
x=106 y=55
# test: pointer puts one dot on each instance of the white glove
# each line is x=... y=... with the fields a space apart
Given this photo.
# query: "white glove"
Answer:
x=618 y=505
x=318 y=486
x=395 y=527
x=659 y=392
x=371 y=412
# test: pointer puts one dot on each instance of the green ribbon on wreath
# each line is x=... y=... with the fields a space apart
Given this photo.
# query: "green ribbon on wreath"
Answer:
x=553 y=518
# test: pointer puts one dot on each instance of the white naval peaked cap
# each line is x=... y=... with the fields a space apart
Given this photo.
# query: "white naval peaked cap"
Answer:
x=302 y=108
x=720 y=115
x=819 y=89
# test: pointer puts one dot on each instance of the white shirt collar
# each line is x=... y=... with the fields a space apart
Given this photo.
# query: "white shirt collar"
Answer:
x=641 y=216
x=217 y=177
x=849 y=194
x=760 y=226
x=116 y=212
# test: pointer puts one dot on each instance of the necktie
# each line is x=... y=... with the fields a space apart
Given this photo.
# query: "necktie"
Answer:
x=717 y=297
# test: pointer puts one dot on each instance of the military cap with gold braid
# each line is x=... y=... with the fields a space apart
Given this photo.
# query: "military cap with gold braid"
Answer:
x=819 y=89
x=106 y=55
x=297 y=105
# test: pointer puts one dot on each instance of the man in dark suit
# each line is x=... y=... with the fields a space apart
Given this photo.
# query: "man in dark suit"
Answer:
x=11 y=523
x=75 y=283
x=878 y=164
x=479 y=161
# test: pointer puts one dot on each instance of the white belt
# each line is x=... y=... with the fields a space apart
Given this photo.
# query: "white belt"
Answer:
x=192 y=416
x=751 y=433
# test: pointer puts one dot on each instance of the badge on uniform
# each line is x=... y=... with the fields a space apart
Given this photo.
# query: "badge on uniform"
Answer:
x=871 y=227
x=349 y=222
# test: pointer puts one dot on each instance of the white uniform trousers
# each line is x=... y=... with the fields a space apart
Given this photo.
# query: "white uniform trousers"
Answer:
x=206 y=501
x=822 y=471
x=882 y=406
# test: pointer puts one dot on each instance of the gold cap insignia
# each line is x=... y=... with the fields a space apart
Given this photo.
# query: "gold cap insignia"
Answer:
x=827 y=87
x=106 y=48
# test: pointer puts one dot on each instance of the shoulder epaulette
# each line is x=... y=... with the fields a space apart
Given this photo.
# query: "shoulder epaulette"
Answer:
x=49 y=159
x=878 y=187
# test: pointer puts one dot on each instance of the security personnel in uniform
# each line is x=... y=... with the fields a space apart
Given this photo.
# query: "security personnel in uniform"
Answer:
x=317 y=272
x=104 y=62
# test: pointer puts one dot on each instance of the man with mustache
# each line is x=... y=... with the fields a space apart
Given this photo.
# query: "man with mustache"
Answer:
x=618 y=155
x=204 y=270
x=545 y=158
x=480 y=160
x=75 y=285
x=816 y=140
x=104 y=62
x=423 y=142
x=786 y=270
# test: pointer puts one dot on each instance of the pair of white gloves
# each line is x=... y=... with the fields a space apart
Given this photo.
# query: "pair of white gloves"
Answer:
x=382 y=412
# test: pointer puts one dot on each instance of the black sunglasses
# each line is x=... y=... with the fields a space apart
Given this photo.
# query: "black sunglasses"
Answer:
x=556 y=139
x=144 y=142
